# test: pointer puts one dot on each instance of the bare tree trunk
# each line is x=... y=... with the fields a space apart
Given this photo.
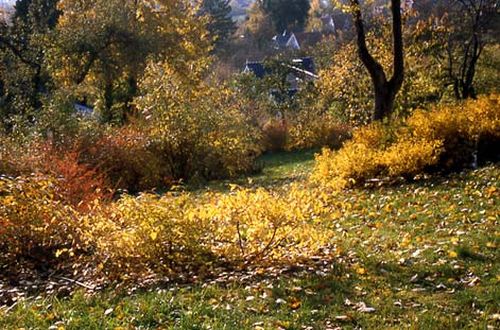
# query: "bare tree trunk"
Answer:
x=385 y=90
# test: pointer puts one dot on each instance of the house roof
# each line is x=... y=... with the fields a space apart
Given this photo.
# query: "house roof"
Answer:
x=286 y=40
x=257 y=68
x=308 y=39
x=282 y=39
x=304 y=65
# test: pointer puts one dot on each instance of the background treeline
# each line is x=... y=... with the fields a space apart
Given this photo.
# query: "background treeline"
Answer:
x=140 y=96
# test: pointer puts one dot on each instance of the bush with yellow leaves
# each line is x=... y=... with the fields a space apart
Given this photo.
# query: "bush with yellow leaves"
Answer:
x=199 y=130
x=34 y=222
x=311 y=128
x=446 y=138
x=146 y=233
x=162 y=234
x=249 y=225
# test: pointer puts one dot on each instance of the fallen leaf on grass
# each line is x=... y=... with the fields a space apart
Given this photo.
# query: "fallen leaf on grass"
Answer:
x=295 y=303
x=342 y=318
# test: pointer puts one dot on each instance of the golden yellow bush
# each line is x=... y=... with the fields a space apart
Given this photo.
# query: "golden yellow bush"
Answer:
x=445 y=138
x=149 y=233
x=409 y=157
x=34 y=223
x=310 y=128
x=249 y=225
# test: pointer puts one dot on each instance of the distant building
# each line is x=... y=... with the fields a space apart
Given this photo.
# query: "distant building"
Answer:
x=309 y=39
x=328 y=24
x=300 y=70
x=286 y=41
x=83 y=110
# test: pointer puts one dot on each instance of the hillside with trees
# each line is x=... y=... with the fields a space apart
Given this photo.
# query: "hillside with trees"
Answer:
x=267 y=164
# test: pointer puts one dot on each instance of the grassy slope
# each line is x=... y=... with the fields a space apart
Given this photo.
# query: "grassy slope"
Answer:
x=423 y=256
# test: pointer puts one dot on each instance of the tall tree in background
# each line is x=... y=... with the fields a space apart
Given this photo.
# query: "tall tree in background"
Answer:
x=221 y=25
x=385 y=89
x=23 y=45
x=470 y=28
x=287 y=14
x=258 y=25
x=101 y=48
x=316 y=12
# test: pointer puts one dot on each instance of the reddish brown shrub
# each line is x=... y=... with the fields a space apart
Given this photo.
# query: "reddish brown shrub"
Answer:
x=275 y=135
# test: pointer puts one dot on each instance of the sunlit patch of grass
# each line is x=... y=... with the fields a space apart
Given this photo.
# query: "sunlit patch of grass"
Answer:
x=277 y=169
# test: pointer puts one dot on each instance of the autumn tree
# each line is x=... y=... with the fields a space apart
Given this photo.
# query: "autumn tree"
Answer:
x=385 y=88
x=101 y=48
x=24 y=80
x=469 y=25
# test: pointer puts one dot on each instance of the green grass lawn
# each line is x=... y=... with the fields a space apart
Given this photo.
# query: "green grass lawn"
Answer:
x=277 y=169
x=415 y=256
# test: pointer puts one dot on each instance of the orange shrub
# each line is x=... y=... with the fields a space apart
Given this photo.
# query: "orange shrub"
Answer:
x=76 y=183
x=275 y=135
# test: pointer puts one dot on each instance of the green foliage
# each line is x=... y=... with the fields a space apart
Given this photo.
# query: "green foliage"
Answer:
x=24 y=79
x=287 y=14
x=198 y=129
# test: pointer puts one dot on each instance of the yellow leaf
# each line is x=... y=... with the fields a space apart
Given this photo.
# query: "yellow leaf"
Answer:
x=361 y=271
x=491 y=245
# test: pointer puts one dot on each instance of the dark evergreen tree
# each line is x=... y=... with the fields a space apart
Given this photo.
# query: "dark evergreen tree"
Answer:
x=221 y=24
x=287 y=14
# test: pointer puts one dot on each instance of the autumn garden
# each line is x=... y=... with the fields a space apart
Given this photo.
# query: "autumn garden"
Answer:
x=268 y=164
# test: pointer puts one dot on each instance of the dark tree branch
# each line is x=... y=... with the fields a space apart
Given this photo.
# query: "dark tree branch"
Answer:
x=18 y=53
x=397 y=31
x=374 y=68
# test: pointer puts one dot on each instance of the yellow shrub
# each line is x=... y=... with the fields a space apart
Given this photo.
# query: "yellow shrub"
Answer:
x=151 y=233
x=445 y=138
x=251 y=225
x=310 y=129
x=410 y=157
x=200 y=130
x=138 y=234
x=358 y=159
x=34 y=224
